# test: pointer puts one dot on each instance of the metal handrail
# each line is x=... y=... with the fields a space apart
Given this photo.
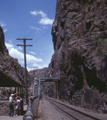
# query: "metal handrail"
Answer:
x=32 y=105
x=29 y=115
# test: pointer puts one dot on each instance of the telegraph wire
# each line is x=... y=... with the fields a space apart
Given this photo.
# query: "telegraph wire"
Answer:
x=42 y=36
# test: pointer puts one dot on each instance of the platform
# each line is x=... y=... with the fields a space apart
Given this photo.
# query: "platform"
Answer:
x=14 y=118
x=11 y=118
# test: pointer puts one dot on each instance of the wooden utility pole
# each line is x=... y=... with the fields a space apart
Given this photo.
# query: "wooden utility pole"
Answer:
x=25 y=78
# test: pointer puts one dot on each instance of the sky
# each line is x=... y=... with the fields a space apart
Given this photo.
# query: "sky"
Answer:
x=31 y=19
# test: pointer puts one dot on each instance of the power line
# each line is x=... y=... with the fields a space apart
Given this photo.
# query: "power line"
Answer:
x=50 y=14
x=42 y=36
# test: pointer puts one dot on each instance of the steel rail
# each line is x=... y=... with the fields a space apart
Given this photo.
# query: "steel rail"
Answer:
x=89 y=117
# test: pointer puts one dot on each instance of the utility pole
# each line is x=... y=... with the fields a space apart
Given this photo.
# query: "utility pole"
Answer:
x=25 y=78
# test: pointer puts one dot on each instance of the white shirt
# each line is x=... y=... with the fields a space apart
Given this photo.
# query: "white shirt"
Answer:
x=10 y=99
x=18 y=100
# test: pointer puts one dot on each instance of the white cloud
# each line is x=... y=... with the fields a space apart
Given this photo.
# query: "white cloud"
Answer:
x=17 y=54
x=38 y=13
x=32 y=53
x=5 y=30
x=10 y=41
x=36 y=66
x=32 y=59
x=20 y=56
x=20 y=48
x=9 y=46
x=35 y=28
x=44 y=20
x=2 y=24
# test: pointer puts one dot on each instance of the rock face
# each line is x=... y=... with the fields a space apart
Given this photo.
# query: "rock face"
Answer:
x=39 y=73
x=10 y=65
x=80 y=45
x=3 y=49
x=4 y=108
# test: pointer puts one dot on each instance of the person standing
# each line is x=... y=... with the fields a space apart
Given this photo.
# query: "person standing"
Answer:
x=11 y=105
x=18 y=106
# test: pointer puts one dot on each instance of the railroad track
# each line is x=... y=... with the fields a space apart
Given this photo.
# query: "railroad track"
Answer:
x=74 y=113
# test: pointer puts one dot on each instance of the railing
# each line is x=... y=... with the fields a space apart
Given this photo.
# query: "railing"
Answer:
x=33 y=104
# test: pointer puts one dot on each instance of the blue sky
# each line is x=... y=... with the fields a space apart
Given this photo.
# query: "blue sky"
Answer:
x=29 y=19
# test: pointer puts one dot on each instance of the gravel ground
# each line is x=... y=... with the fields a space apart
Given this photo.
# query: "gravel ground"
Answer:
x=39 y=112
x=47 y=111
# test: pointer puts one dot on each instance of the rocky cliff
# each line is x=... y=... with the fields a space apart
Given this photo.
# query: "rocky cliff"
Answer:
x=80 y=46
x=10 y=65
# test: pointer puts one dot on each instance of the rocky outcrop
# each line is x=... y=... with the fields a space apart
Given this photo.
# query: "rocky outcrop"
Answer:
x=4 y=108
x=40 y=73
x=80 y=45
x=10 y=65
x=3 y=49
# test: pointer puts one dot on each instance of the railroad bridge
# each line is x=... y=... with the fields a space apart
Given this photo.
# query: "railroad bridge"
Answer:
x=54 y=80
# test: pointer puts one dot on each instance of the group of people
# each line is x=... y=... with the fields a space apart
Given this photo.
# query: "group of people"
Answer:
x=17 y=105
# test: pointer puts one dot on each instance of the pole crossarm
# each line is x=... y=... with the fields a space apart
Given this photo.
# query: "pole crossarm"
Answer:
x=23 y=39
x=24 y=45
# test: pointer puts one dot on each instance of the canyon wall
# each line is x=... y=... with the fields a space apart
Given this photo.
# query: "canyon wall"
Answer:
x=80 y=46
x=10 y=65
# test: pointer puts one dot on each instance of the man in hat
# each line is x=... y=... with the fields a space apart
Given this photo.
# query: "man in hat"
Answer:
x=11 y=106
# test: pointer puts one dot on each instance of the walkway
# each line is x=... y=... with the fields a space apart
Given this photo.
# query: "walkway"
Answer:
x=11 y=118
x=14 y=118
